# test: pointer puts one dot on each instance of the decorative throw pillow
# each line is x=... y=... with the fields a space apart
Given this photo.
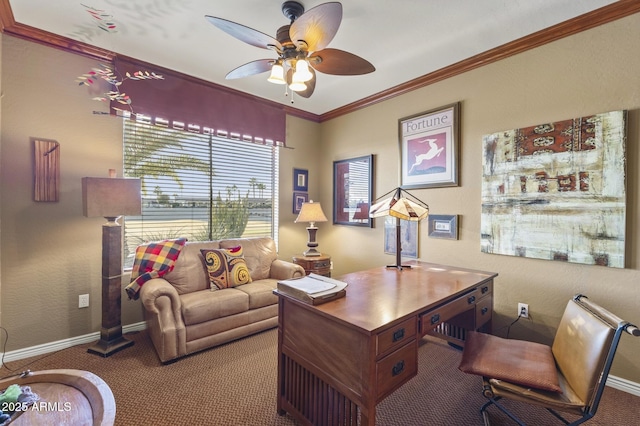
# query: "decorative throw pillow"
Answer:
x=226 y=267
x=521 y=362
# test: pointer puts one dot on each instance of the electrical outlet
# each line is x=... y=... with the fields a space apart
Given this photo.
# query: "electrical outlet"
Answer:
x=523 y=310
x=83 y=301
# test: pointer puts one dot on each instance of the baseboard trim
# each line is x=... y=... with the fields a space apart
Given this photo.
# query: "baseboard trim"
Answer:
x=46 y=348
x=615 y=382
x=624 y=385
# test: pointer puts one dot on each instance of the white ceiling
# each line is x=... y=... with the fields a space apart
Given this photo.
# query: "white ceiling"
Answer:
x=403 y=39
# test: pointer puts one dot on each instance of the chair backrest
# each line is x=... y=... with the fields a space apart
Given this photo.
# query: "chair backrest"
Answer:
x=580 y=349
x=584 y=347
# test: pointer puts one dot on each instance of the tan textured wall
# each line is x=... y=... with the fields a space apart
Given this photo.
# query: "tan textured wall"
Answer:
x=595 y=71
x=50 y=252
x=303 y=152
x=0 y=171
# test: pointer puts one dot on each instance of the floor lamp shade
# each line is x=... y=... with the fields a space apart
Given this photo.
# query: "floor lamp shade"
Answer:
x=111 y=198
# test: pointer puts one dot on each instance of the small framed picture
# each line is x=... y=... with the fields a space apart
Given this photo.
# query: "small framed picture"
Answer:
x=443 y=226
x=353 y=191
x=298 y=199
x=301 y=180
x=408 y=237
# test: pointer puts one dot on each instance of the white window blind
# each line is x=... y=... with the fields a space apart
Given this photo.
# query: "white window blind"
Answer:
x=198 y=186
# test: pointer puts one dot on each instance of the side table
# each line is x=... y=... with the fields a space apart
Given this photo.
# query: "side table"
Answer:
x=320 y=265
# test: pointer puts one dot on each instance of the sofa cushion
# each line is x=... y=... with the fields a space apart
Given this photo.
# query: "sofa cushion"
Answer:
x=226 y=267
x=260 y=293
x=189 y=272
x=259 y=253
x=201 y=306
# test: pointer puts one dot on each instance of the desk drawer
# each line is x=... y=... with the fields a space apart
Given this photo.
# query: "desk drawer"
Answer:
x=484 y=310
x=396 y=336
x=321 y=264
x=433 y=318
x=395 y=369
x=485 y=289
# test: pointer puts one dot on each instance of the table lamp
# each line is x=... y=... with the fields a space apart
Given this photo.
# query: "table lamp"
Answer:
x=311 y=212
x=111 y=198
x=402 y=207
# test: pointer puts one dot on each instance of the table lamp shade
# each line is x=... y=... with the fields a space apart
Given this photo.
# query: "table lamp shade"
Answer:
x=111 y=197
x=311 y=212
x=400 y=207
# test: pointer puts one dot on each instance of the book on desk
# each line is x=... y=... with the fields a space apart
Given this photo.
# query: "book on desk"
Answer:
x=313 y=289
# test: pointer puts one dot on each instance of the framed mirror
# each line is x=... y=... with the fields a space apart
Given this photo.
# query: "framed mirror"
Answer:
x=353 y=191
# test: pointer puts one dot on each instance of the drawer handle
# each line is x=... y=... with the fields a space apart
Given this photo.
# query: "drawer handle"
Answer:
x=485 y=289
x=398 y=335
x=484 y=310
x=397 y=369
x=435 y=318
x=471 y=300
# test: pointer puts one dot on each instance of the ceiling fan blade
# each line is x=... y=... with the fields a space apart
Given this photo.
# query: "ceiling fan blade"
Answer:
x=317 y=26
x=250 y=68
x=246 y=34
x=339 y=62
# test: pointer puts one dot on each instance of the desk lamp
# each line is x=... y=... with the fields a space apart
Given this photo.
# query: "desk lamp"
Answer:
x=402 y=207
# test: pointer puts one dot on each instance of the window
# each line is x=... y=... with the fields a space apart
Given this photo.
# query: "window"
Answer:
x=198 y=186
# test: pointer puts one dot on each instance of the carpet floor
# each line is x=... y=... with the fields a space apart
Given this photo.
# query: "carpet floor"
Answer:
x=235 y=384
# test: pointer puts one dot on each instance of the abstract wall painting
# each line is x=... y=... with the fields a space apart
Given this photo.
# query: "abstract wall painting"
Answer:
x=556 y=191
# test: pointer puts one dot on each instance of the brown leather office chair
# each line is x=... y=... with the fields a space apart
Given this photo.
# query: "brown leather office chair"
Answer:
x=568 y=376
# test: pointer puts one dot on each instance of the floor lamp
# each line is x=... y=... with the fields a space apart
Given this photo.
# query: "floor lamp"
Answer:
x=111 y=198
x=403 y=206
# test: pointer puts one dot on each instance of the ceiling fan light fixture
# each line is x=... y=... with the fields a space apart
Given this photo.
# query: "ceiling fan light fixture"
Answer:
x=302 y=71
x=301 y=47
x=297 y=85
x=277 y=74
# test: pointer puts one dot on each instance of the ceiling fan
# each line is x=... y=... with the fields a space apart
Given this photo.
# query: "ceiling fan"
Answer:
x=301 y=48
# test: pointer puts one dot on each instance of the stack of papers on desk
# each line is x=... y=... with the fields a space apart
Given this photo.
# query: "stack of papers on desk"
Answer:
x=313 y=288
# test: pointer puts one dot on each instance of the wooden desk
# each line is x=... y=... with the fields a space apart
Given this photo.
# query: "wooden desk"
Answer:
x=339 y=359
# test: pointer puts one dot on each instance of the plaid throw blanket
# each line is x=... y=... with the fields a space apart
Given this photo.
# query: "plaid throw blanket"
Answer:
x=153 y=261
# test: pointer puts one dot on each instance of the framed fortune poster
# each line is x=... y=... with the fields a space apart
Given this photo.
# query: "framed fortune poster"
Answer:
x=429 y=148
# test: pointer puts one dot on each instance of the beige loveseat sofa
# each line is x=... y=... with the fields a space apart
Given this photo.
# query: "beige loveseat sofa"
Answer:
x=184 y=315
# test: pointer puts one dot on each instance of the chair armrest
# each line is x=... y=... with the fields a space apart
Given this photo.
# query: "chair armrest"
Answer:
x=151 y=295
x=283 y=270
